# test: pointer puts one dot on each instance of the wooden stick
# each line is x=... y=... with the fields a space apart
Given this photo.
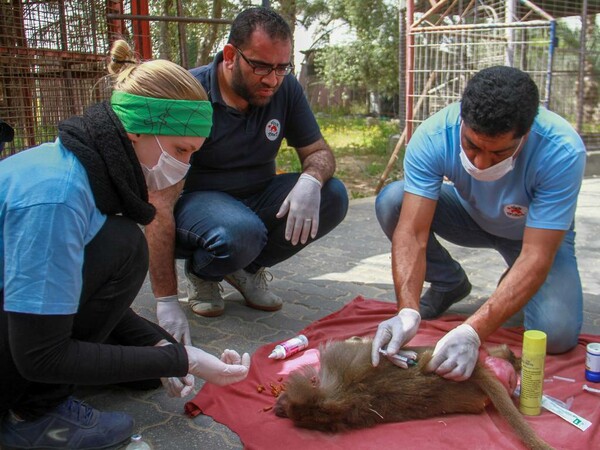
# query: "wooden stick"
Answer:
x=391 y=162
x=400 y=143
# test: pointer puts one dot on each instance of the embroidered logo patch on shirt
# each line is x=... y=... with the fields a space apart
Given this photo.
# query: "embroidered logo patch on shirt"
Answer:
x=272 y=129
x=515 y=211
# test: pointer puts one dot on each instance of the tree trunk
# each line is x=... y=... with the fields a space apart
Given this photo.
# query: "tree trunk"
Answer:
x=164 y=49
x=207 y=43
x=288 y=11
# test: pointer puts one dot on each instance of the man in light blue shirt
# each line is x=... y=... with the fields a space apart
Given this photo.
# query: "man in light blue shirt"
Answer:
x=493 y=171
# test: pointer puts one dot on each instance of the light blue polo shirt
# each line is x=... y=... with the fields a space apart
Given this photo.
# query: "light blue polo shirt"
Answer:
x=540 y=192
x=47 y=216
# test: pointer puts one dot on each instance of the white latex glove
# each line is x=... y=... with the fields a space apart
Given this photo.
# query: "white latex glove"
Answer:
x=394 y=333
x=456 y=353
x=172 y=318
x=302 y=207
x=231 y=368
x=178 y=387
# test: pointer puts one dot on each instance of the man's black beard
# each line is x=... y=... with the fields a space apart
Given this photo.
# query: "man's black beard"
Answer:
x=239 y=86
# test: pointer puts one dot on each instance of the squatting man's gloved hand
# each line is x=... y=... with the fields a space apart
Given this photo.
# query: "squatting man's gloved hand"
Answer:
x=455 y=354
x=302 y=207
x=171 y=317
x=231 y=368
x=396 y=332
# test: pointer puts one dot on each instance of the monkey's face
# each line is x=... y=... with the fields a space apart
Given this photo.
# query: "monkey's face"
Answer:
x=281 y=406
x=305 y=402
x=308 y=411
x=303 y=394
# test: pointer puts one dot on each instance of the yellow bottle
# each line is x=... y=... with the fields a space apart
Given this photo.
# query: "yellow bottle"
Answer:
x=532 y=372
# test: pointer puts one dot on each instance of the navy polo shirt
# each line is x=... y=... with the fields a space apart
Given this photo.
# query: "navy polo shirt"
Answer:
x=239 y=155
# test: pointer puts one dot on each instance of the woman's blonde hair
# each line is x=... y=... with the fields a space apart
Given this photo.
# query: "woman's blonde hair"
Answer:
x=158 y=78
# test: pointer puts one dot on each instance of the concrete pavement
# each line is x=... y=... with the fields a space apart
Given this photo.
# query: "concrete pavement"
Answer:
x=352 y=260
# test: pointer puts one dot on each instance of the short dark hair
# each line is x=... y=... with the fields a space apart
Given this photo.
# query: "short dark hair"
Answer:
x=500 y=99
x=262 y=18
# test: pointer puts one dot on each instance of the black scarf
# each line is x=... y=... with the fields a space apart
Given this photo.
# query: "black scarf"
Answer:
x=100 y=143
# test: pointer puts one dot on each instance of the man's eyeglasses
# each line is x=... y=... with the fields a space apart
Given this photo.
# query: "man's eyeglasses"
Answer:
x=262 y=69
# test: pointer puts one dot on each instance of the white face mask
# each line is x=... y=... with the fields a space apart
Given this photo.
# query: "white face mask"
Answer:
x=167 y=172
x=492 y=173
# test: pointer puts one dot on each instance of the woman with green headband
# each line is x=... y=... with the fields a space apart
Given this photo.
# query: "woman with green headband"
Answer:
x=73 y=258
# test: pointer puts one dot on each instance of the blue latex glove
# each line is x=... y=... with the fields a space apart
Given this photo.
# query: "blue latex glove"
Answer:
x=394 y=333
x=302 y=208
x=456 y=353
x=172 y=318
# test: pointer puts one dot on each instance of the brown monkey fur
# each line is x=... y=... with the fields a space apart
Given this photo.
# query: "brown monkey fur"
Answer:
x=349 y=393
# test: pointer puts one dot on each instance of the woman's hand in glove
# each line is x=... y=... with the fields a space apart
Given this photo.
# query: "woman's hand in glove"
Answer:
x=231 y=368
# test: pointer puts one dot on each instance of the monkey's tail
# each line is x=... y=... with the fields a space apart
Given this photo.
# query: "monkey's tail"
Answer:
x=494 y=389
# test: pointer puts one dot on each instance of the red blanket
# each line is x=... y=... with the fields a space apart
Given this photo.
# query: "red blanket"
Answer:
x=246 y=411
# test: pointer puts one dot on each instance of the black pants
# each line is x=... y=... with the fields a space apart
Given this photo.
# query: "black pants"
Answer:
x=115 y=266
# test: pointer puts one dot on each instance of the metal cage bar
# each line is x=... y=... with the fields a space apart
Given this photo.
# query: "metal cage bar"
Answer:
x=455 y=39
x=51 y=57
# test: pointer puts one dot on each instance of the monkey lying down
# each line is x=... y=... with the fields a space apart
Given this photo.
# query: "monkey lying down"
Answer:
x=347 y=392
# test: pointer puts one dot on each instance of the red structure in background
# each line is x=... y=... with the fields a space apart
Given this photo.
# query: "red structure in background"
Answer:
x=52 y=60
x=137 y=12
x=141 y=29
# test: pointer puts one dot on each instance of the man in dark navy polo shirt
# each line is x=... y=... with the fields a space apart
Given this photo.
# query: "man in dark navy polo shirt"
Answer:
x=236 y=216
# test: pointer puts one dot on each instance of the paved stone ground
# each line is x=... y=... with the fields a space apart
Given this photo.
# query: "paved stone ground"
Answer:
x=353 y=260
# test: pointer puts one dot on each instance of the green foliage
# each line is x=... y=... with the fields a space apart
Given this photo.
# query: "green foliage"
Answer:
x=165 y=35
x=361 y=150
x=360 y=65
x=569 y=37
x=287 y=160
x=348 y=135
x=350 y=108
x=370 y=61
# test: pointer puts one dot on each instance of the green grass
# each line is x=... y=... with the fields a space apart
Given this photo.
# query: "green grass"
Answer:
x=354 y=136
x=357 y=140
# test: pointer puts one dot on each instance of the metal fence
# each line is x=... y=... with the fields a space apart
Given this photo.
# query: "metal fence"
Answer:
x=53 y=54
x=51 y=57
x=448 y=43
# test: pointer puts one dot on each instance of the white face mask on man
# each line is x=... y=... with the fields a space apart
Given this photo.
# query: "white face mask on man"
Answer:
x=167 y=171
x=492 y=173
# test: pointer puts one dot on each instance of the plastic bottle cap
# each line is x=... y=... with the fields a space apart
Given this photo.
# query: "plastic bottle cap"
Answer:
x=534 y=341
x=594 y=377
x=593 y=348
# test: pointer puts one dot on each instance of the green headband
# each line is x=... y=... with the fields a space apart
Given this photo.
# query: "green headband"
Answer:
x=162 y=116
